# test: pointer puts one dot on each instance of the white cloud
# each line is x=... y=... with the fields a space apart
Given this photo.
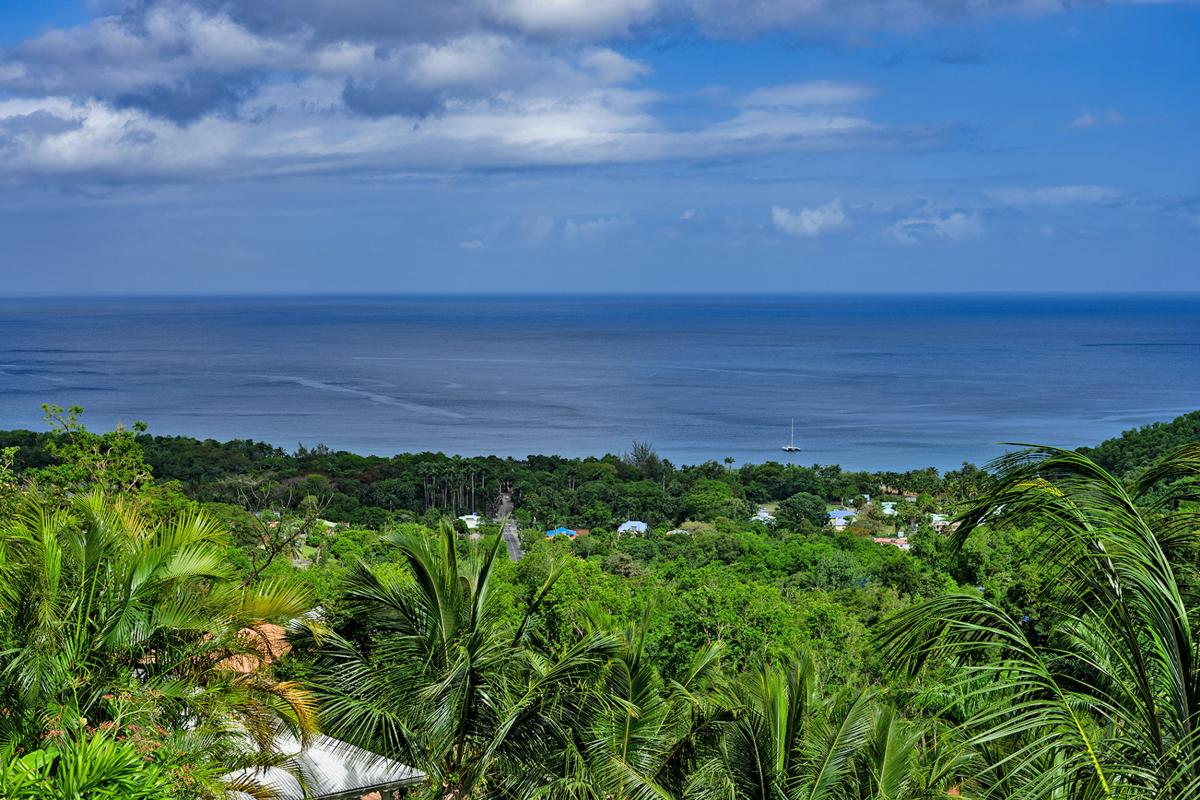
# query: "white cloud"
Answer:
x=593 y=229
x=537 y=230
x=574 y=17
x=465 y=61
x=1088 y=119
x=955 y=226
x=471 y=244
x=737 y=17
x=1055 y=195
x=305 y=126
x=200 y=89
x=610 y=66
x=809 y=222
x=544 y=231
x=802 y=95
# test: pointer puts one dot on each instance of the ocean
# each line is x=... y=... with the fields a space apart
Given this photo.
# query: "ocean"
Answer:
x=872 y=382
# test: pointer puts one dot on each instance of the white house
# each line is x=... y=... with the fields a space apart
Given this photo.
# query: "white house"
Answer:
x=888 y=509
x=764 y=516
x=328 y=769
x=472 y=521
x=331 y=770
x=633 y=526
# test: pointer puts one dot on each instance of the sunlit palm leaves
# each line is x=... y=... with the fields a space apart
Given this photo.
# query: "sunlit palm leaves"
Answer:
x=97 y=603
x=1108 y=707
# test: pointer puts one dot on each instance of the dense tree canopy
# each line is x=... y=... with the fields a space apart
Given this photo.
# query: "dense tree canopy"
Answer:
x=1040 y=648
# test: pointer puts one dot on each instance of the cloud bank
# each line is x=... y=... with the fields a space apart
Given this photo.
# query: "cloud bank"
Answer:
x=170 y=90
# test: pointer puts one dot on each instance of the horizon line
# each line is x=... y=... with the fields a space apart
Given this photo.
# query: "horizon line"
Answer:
x=223 y=295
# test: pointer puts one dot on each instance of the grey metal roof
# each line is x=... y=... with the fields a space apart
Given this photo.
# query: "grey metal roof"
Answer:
x=332 y=770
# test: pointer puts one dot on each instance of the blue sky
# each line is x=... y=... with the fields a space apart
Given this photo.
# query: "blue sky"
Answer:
x=226 y=146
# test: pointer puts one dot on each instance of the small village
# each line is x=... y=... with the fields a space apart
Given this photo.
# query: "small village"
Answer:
x=904 y=516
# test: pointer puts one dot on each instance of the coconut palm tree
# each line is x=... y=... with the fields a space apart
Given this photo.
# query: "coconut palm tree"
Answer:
x=630 y=734
x=1108 y=705
x=790 y=739
x=441 y=680
x=788 y=742
x=109 y=619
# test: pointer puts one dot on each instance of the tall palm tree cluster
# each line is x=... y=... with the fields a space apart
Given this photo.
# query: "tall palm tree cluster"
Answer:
x=108 y=623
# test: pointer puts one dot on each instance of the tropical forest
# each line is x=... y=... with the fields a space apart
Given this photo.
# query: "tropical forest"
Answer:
x=186 y=620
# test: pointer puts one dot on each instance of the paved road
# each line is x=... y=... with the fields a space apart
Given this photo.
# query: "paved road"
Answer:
x=511 y=533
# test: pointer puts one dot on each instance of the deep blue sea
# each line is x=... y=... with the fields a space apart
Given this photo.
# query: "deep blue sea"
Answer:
x=871 y=381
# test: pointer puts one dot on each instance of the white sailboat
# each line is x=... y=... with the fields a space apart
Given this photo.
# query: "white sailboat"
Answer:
x=791 y=447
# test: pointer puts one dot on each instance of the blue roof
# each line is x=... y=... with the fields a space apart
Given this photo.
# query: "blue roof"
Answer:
x=561 y=532
x=840 y=514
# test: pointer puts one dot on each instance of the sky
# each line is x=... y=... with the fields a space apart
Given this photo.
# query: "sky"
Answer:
x=429 y=146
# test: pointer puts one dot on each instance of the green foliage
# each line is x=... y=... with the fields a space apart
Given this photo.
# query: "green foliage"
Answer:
x=1137 y=449
x=711 y=499
x=1049 y=637
x=791 y=739
x=440 y=679
x=9 y=485
x=112 y=619
x=802 y=511
x=82 y=767
x=113 y=461
x=1105 y=701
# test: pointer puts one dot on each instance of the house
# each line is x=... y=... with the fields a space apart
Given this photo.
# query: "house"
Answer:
x=939 y=522
x=633 y=526
x=333 y=770
x=763 y=516
x=679 y=532
x=910 y=497
x=888 y=509
x=567 y=532
x=840 y=518
x=472 y=521
x=896 y=541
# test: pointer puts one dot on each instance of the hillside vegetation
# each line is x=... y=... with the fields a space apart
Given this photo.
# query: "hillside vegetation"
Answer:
x=171 y=608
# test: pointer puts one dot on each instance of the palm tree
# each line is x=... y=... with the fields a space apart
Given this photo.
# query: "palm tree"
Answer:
x=1108 y=705
x=791 y=740
x=630 y=734
x=441 y=681
x=107 y=619
x=787 y=742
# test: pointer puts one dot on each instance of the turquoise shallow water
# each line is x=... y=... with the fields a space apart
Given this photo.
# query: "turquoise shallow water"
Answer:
x=872 y=381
